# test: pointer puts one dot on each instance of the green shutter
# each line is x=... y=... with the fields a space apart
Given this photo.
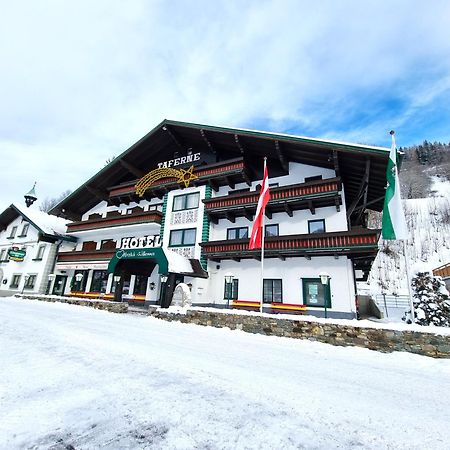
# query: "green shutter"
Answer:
x=205 y=228
x=163 y=220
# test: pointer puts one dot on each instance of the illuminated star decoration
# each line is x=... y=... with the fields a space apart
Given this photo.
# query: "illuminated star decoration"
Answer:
x=186 y=176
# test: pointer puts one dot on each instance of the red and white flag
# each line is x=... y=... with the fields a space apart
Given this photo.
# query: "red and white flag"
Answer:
x=264 y=196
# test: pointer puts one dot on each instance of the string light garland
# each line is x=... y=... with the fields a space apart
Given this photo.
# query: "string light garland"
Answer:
x=182 y=176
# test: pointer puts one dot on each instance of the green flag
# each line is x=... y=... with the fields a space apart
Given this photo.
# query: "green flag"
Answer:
x=394 y=223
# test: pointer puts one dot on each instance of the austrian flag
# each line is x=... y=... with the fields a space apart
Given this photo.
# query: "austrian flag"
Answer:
x=264 y=196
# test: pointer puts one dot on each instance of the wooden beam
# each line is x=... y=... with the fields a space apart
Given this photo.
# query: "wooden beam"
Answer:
x=257 y=257
x=236 y=259
x=337 y=203
x=336 y=163
x=370 y=203
x=102 y=195
x=288 y=209
x=230 y=182
x=311 y=207
x=174 y=138
x=268 y=213
x=282 y=257
x=230 y=217
x=132 y=169
x=215 y=187
x=363 y=187
x=239 y=144
x=283 y=161
x=248 y=215
x=208 y=142
x=246 y=177
x=213 y=219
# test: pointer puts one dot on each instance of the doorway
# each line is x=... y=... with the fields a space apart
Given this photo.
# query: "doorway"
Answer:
x=60 y=285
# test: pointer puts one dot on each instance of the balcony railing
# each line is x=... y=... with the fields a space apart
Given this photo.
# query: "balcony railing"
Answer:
x=282 y=199
x=217 y=174
x=337 y=243
x=91 y=255
x=116 y=221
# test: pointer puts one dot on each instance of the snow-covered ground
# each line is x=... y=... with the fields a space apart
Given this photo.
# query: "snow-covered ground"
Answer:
x=74 y=377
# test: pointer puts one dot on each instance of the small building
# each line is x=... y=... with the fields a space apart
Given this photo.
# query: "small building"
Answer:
x=178 y=206
x=29 y=242
x=444 y=273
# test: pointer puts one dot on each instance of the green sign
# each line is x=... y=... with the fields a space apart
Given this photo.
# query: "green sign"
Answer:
x=156 y=254
x=16 y=255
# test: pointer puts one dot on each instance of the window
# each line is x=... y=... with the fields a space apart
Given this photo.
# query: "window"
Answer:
x=30 y=281
x=13 y=232
x=315 y=293
x=182 y=238
x=3 y=255
x=272 y=230
x=237 y=233
x=140 y=285
x=99 y=281
x=315 y=178
x=273 y=185
x=272 y=291
x=24 y=230
x=230 y=290
x=186 y=201
x=316 y=226
x=15 y=281
x=80 y=286
x=40 y=252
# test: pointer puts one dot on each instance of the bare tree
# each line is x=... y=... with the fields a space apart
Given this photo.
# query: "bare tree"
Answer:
x=49 y=202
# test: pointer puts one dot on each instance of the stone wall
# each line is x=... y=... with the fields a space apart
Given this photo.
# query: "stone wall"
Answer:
x=106 y=305
x=380 y=339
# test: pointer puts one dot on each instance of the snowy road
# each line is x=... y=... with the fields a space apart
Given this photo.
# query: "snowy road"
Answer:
x=73 y=376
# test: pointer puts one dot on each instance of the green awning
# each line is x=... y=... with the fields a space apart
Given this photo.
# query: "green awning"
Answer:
x=156 y=254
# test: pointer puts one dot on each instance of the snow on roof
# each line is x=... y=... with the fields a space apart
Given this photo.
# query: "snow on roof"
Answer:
x=47 y=223
x=177 y=263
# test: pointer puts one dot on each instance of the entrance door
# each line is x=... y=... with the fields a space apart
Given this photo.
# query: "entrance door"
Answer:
x=60 y=284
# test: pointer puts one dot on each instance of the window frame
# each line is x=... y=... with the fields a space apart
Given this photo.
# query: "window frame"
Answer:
x=31 y=276
x=185 y=201
x=15 y=286
x=327 y=293
x=3 y=255
x=316 y=220
x=236 y=230
x=272 y=290
x=93 y=280
x=25 y=229
x=13 y=232
x=234 y=289
x=40 y=253
x=183 y=233
x=272 y=225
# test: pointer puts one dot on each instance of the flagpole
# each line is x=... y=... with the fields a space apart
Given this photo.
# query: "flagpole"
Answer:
x=408 y=278
x=262 y=249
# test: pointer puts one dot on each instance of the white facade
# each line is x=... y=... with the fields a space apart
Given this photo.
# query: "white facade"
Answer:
x=32 y=274
x=190 y=221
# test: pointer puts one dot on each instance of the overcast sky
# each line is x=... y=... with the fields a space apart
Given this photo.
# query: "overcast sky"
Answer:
x=81 y=81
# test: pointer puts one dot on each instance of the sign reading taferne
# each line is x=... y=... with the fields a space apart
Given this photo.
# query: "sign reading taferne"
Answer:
x=178 y=161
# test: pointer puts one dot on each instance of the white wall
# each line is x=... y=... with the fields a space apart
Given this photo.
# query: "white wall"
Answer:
x=291 y=271
x=28 y=266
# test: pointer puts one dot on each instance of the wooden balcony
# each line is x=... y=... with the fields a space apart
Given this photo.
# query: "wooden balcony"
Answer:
x=115 y=220
x=219 y=174
x=83 y=255
x=311 y=195
x=361 y=243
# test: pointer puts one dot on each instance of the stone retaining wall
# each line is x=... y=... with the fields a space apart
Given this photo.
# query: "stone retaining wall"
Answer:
x=380 y=339
x=106 y=305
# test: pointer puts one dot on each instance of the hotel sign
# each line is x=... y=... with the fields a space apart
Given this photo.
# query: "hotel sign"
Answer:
x=140 y=242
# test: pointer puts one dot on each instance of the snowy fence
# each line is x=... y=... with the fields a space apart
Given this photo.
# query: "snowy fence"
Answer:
x=340 y=333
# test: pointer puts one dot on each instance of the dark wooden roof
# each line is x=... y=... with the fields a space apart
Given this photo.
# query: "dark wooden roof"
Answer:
x=358 y=165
